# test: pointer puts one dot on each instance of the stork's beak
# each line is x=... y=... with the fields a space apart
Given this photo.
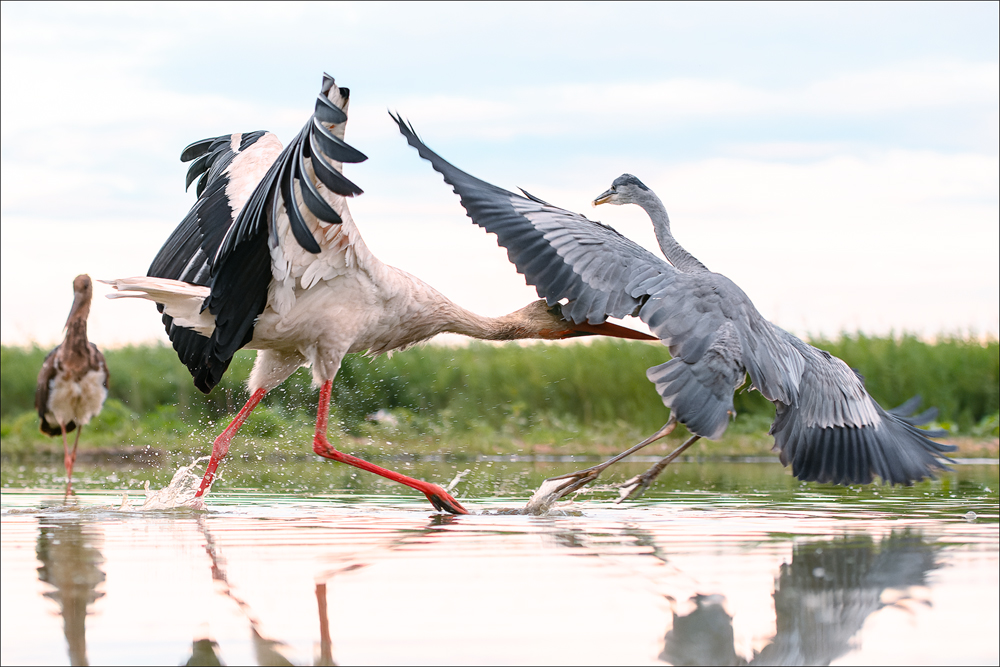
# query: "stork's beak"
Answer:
x=604 y=198
x=607 y=329
x=78 y=300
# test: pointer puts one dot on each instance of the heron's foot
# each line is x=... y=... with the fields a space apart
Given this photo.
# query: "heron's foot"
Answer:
x=632 y=489
x=555 y=488
x=442 y=500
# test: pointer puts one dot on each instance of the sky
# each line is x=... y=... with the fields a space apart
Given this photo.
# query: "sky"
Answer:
x=838 y=161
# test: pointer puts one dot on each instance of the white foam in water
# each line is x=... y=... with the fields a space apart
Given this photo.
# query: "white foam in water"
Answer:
x=547 y=494
x=179 y=493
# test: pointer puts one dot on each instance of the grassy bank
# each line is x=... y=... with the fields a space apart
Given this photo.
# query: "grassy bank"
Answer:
x=534 y=399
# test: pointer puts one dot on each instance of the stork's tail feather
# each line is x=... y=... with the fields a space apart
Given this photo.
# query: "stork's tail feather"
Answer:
x=181 y=301
x=893 y=449
x=191 y=327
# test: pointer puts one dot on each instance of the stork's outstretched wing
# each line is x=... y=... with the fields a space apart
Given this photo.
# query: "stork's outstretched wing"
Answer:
x=827 y=427
x=247 y=183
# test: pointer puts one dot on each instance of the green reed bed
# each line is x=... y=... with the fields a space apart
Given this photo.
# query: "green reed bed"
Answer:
x=482 y=399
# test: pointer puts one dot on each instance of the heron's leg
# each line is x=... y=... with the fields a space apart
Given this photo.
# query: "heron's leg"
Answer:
x=546 y=494
x=221 y=445
x=635 y=487
x=440 y=498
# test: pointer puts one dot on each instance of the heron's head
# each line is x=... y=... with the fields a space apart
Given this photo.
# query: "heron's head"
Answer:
x=540 y=320
x=626 y=189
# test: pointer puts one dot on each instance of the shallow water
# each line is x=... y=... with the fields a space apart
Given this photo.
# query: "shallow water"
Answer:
x=719 y=564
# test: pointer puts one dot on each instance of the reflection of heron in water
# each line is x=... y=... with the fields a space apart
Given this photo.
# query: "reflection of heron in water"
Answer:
x=71 y=560
x=821 y=600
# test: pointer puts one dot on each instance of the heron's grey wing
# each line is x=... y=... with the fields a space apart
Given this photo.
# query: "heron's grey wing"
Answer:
x=837 y=433
x=602 y=273
x=564 y=255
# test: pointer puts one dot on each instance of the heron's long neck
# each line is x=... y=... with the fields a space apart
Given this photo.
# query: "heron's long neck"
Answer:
x=671 y=249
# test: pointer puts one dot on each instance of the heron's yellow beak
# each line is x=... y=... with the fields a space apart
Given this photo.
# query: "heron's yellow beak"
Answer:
x=604 y=198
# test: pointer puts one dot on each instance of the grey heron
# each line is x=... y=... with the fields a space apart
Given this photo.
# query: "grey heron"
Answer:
x=269 y=259
x=73 y=381
x=827 y=426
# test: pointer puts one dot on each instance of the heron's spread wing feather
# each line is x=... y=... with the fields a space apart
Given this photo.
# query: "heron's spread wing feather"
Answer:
x=837 y=433
x=564 y=255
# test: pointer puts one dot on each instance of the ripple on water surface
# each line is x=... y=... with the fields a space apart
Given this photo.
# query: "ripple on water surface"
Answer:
x=775 y=575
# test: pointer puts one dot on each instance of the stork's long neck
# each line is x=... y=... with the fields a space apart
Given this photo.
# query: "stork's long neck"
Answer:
x=76 y=327
x=506 y=327
x=672 y=250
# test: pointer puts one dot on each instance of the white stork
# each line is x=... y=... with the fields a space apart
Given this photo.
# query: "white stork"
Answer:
x=73 y=381
x=270 y=259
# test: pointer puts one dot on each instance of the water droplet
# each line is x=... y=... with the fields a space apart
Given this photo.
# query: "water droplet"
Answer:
x=819 y=572
x=970 y=516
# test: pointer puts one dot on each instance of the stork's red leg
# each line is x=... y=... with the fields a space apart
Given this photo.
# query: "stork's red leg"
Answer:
x=221 y=445
x=440 y=498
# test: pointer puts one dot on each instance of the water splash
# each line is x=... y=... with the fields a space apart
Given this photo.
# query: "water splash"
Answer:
x=544 y=498
x=458 y=478
x=181 y=492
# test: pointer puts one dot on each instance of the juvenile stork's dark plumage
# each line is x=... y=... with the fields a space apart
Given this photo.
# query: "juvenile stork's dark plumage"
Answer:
x=828 y=428
x=270 y=259
x=73 y=381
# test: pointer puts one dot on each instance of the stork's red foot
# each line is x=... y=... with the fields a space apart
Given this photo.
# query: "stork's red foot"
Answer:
x=442 y=500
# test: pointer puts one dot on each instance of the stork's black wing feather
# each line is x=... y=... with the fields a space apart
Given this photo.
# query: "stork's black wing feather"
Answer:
x=225 y=244
x=188 y=253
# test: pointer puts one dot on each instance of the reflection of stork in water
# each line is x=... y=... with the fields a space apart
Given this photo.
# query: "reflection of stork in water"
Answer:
x=828 y=428
x=71 y=563
x=821 y=600
x=73 y=382
x=205 y=651
x=269 y=259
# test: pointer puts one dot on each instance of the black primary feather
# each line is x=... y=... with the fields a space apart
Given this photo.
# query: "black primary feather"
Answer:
x=228 y=251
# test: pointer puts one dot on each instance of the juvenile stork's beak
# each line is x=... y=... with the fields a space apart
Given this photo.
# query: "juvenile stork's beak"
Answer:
x=605 y=197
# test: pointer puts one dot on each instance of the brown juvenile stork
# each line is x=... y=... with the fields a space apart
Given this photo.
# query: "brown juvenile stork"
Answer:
x=73 y=382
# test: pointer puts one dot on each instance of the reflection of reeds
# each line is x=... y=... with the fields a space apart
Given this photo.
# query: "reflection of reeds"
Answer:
x=439 y=390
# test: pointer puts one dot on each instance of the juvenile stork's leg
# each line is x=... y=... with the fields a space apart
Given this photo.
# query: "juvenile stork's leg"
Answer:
x=440 y=498
x=635 y=487
x=221 y=445
x=546 y=494
x=68 y=460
